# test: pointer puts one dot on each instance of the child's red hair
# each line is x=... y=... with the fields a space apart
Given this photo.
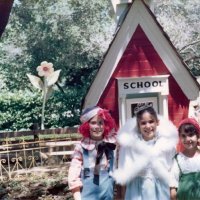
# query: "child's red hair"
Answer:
x=109 y=124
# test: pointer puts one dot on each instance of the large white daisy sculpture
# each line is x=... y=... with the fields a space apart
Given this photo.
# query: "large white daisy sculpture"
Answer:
x=45 y=80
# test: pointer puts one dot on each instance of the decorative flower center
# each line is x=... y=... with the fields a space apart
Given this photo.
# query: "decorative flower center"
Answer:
x=45 y=69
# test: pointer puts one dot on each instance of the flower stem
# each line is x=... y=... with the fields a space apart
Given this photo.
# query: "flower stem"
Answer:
x=43 y=103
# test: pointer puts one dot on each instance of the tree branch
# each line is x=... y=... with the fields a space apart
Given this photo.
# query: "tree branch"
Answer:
x=192 y=58
x=198 y=41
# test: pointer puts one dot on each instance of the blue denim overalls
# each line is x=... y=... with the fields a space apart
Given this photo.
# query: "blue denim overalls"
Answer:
x=97 y=187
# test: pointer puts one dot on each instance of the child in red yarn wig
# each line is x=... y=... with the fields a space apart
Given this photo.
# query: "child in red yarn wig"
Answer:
x=93 y=158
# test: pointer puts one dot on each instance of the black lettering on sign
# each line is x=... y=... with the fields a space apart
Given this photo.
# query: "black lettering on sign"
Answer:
x=126 y=86
x=147 y=84
x=141 y=84
x=132 y=85
x=155 y=83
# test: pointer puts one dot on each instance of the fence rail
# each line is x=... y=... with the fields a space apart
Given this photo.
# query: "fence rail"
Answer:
x=21 y=151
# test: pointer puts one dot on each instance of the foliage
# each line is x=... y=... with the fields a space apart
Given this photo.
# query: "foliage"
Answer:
x=71 y=34
x=20 y=110
x=67 y=33
x=181 y=20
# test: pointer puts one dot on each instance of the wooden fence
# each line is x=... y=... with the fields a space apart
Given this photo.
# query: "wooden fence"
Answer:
x=21 y=151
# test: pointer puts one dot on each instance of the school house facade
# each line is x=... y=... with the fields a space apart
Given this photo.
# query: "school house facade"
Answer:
x=142 y=65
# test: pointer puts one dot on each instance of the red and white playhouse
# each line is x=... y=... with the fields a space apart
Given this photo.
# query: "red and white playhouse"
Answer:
x=142 y=65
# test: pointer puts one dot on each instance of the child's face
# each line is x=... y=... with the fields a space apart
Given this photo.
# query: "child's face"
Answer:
x=147 y=126
x=96 y=125
x=189 y=140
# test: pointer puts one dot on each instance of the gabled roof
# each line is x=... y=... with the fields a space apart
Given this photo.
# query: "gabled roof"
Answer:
x=140 y=14
x=5 y=9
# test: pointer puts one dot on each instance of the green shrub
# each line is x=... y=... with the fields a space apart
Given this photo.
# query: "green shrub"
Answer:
x=20 y=110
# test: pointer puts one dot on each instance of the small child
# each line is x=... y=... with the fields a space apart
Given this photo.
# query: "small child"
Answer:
x=185 y=172
x=93 y=159
x=147 y=147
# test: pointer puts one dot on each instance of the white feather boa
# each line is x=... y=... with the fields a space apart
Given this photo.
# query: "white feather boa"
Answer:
x=135 y=155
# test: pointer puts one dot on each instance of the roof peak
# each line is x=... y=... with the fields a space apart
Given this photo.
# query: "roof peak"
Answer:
x=121 y=7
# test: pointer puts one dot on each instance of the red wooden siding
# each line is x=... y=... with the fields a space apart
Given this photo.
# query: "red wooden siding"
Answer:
x=141 y=59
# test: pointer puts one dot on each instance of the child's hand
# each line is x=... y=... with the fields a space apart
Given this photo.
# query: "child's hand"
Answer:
x=173 y=193
x=76 y=194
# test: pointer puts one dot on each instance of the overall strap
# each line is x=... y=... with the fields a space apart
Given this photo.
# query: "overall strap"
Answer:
x=111 y=160
x=178 y=164
x=86 y=170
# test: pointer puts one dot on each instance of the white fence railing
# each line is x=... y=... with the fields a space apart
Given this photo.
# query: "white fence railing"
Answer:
x=20 y=152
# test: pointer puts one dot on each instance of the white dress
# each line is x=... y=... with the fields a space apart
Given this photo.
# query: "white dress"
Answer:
x=144 y=166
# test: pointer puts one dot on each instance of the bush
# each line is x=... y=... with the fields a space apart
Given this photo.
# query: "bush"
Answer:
x=20 y=110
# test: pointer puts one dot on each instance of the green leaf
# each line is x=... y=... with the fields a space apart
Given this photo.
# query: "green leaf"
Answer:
x=53 y=78
x=36 y=81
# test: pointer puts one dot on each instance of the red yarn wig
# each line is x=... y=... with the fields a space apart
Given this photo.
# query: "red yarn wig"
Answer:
x=109 y=124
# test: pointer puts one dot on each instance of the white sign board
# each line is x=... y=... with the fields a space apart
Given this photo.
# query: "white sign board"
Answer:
x=147 y=84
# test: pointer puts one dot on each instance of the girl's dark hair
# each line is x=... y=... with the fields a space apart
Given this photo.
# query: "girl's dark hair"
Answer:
x=188 y=128
x=150 y=110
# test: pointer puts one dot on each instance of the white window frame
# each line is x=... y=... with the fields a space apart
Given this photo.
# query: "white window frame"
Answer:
x=129 y=102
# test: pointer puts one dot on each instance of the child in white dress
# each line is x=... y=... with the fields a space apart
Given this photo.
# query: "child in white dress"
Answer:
x=147 y=147
x=185 y=173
